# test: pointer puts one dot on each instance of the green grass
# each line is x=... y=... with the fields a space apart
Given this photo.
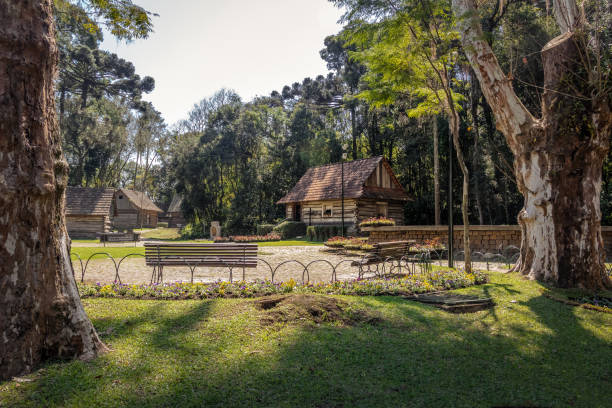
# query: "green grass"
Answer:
x=527 y=351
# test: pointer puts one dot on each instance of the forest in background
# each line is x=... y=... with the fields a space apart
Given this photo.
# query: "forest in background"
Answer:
x=233 y=159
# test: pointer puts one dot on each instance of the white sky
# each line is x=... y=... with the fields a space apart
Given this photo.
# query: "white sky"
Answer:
x=251 y=46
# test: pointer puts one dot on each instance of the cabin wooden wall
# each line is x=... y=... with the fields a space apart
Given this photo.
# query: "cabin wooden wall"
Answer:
x=175 y=219
x=381 y=178
x=312 y=212
x=125 y=219
x=367 y=209
x=355 y=211
x=87 y=226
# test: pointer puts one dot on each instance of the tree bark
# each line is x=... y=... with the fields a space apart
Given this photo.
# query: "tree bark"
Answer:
x=557 y=159
x=42 y=316
x=436 y=160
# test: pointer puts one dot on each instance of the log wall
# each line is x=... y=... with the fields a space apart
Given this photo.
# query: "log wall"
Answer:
x=87 y=226
x=482 y=237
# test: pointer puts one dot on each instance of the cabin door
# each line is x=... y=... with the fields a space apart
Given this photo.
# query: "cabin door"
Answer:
x=297 y=212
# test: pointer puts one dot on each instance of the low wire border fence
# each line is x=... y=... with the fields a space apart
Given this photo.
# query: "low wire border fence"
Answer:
x=377 y=267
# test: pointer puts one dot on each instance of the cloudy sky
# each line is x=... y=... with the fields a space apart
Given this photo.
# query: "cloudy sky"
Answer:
x=253 y=47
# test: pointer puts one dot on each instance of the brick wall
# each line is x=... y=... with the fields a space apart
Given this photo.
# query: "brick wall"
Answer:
x=482 y=237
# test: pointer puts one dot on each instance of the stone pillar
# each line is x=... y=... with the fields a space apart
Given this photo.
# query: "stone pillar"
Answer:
x=215 y=230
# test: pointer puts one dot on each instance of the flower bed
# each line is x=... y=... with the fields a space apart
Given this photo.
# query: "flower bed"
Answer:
x=351 y=243
x=438 y=280
x=434 y=244
x=256 y=238
x=377 y=222
x=249 y=238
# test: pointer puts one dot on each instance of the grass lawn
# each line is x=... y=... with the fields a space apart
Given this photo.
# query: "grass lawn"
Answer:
x=527 y=351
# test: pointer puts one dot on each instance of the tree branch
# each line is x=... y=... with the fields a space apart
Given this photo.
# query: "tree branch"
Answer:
x=513 y=119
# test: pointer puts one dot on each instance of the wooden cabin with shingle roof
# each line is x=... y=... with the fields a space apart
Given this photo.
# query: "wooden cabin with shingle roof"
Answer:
x=370 y=190
x=88 y=211
x=174 y=215
x=134 y=209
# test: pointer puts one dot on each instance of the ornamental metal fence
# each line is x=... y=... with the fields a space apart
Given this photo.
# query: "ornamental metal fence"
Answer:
x=366 y=266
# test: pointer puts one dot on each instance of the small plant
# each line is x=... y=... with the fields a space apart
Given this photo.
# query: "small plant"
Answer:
x=377 y=222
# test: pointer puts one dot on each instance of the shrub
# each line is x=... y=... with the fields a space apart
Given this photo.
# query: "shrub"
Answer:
x=311 y=233
x=264 y=229
x=193 y=230
x=162 y=225
x=377 y=222
x=322 y=232
x=290 y=229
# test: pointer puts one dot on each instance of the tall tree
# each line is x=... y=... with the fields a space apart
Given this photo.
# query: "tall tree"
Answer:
x=42 y=315
x=558 y=158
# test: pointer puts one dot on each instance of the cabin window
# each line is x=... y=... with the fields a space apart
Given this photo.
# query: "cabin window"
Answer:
x=382 y=209
x=327 y=210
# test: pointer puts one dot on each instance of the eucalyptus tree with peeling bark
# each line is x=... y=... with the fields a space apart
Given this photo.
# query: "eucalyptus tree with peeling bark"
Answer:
x=558 y=158
x=41 y=314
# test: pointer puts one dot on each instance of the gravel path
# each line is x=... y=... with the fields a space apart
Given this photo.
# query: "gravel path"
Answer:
x=134 y=270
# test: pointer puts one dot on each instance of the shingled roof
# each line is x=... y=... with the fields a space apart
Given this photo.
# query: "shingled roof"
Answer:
x=88 y=201
x=140 y=200
x=175 y=205
x=324 y=183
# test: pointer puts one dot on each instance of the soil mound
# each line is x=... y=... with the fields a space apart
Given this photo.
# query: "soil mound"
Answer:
x=304 y=309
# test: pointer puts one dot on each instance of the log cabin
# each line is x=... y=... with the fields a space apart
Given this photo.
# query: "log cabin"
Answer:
x=133 y=209
x=174 y=215
x=370 y=190
x=88 y=211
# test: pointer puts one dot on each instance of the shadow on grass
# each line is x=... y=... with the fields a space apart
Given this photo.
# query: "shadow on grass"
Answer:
x=534 y=352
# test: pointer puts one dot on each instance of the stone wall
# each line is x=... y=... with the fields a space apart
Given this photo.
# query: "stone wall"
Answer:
x=482 y=237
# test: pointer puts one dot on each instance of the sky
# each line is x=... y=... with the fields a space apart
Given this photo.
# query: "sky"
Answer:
x=251 y=46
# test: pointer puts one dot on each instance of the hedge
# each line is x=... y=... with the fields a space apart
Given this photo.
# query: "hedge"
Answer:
x=322 y=232
x=290 y=229
x=264 y=229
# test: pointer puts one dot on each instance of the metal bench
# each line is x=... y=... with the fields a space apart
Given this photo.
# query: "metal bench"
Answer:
x=231 y=255
x=394 y=252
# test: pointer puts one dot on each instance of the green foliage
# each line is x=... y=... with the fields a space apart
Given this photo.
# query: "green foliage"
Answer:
x=322 y=233
x=195 y=229
x=264 y=229
x=124 y=19
x=162 y=225
x=290 y=229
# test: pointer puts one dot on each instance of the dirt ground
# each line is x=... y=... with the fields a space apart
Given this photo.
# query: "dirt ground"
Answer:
x=295 y=258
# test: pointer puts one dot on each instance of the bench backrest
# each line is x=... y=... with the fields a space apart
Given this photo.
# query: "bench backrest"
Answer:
x=395 y=249
x=201 y=254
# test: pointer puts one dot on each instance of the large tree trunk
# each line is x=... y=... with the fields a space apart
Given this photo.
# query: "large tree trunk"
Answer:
x=557 y=159
x=41 y=313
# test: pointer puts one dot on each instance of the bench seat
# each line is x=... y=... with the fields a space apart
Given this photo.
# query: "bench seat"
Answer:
x=229 y=255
